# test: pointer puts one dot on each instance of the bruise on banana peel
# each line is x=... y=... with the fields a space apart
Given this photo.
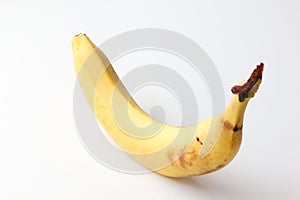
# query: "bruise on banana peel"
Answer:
x=183 y=159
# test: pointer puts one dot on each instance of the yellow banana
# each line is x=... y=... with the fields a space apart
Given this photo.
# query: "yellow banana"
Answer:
x=167 y=150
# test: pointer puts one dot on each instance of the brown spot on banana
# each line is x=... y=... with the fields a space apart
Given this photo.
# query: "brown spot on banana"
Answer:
x=182 y=160
x=192 y=156
x=227 y=125
x=188 y=158
x=236 y=128
x=171 y=156
x=198 y=140
x=177 y=157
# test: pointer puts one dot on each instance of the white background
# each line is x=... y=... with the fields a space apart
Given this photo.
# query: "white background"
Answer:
x=41 y=153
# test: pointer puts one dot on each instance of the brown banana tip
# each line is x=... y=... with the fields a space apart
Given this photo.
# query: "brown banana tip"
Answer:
x=243 y=90
x=79 y=35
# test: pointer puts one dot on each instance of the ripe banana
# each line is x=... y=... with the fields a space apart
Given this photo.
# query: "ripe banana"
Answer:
x=167 y=150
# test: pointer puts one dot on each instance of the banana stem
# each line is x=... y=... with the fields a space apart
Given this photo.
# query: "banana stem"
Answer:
x=242 y=93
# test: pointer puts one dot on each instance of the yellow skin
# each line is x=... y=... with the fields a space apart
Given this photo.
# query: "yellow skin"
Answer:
x=167 y=150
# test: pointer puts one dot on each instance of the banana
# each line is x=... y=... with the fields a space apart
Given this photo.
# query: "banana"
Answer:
x=167 y=150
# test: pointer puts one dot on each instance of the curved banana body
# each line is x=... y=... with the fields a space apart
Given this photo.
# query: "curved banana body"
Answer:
x=167 y=150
